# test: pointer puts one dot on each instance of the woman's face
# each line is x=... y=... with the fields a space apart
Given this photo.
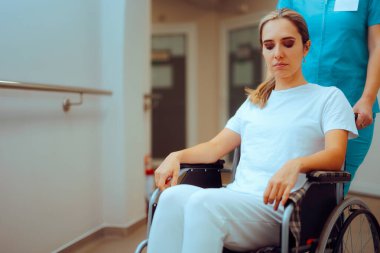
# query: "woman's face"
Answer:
x=283 y=49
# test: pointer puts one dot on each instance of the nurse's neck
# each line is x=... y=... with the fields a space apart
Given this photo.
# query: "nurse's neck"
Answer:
x=285 y=83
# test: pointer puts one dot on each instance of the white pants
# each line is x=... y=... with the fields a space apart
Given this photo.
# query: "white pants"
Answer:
x=190 y=219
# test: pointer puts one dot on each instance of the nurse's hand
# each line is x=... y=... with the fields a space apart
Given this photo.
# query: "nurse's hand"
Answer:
x=281 y=183
x=166 y=174
x=364 y=110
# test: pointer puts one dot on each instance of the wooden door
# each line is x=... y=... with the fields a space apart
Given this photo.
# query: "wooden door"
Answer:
x=169 y=85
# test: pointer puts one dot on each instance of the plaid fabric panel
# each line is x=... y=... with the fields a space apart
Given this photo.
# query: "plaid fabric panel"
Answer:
x=295 y=220
x=297 y=196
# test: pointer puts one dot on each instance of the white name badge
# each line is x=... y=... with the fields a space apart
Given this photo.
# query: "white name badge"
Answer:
x=346 y=5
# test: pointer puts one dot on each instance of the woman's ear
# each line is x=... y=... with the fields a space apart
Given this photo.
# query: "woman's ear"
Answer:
x=307 y=47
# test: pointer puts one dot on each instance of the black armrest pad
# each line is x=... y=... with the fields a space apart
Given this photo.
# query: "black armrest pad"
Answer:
x=329 y=176
x=203 y=175
x=216 y=165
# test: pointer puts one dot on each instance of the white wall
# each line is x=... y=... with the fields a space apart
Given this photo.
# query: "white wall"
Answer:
x=51 y=41
x=63 y=176
x=126 y=66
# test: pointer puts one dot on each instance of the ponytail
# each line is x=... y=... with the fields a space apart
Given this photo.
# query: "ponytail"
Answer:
x=260 y=95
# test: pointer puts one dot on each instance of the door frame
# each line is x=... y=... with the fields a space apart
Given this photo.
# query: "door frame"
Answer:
x=190 y=31
x=225 y=27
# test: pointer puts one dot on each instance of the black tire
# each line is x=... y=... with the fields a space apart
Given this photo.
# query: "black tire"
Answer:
x=337 y=235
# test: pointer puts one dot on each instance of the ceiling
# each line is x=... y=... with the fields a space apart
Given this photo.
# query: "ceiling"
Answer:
x=228 y=6
x=222 y=5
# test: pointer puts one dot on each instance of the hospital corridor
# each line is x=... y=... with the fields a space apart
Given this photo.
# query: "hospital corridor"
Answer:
x=94 y=94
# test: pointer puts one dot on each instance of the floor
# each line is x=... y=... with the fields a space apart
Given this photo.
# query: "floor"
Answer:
x=127 y=244
x=115 y=244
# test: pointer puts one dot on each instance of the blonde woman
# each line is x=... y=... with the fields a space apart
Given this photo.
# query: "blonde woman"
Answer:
x=286 y=127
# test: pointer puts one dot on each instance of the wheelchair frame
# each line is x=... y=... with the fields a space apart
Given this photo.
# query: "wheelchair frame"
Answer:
x=190 y=173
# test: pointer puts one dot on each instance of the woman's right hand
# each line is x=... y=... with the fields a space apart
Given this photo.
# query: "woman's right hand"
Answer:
x=166 y=174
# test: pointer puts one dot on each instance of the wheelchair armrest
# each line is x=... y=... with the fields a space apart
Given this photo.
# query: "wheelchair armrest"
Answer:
x=202 y=175
x=216 y=165
x=329 y=176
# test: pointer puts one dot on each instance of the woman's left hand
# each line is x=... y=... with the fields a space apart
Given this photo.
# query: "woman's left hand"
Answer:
x=281 y=183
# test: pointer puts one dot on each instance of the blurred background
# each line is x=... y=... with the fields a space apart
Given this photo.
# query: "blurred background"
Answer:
x=177 y=71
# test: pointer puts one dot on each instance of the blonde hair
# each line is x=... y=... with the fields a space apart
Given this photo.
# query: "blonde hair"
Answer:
x=261 y=94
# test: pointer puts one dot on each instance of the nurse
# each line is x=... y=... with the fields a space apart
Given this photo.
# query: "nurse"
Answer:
x=345 y=53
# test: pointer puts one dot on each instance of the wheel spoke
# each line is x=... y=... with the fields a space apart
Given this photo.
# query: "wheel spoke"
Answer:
x=350 y=236
x=350 y=228
x=361 y=223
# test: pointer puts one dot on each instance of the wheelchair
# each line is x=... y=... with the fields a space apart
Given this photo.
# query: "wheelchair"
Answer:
x=317 y=218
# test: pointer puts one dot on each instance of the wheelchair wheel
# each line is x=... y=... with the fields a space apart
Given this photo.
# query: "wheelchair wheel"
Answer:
x=351 y=227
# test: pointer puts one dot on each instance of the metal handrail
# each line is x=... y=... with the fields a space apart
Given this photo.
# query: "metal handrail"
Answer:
x=55 y=88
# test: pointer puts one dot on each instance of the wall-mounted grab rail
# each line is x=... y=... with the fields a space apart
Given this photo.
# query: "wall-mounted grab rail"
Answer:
x=55 y=88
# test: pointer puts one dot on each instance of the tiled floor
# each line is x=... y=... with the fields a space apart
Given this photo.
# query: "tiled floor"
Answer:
x=115 y=244
x=118 y=244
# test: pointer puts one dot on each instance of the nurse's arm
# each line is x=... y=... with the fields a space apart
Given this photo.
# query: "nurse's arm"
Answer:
x=364 y=106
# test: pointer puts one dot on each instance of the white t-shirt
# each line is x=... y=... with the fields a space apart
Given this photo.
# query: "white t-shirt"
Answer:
x=292 y=124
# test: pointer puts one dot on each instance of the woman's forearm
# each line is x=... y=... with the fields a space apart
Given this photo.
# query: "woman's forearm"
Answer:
x=201 y=153
x=210 y=151
x=331 y=158
x=324 y=160
x=167 y=173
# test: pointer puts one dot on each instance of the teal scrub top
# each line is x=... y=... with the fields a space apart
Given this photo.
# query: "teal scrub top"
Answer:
x=339 y=43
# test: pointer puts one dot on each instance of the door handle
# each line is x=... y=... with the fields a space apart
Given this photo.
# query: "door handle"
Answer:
x=151 y=101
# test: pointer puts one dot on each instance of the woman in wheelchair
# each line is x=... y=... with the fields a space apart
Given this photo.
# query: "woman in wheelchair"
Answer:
x=285 y=128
